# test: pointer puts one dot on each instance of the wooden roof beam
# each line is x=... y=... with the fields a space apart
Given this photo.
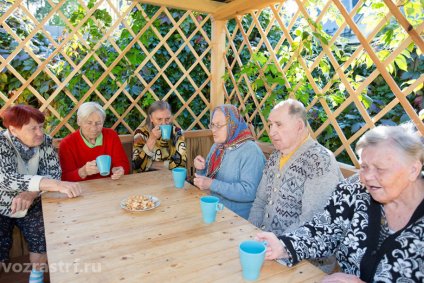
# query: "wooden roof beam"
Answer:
x=204 y=6
x=240 y=7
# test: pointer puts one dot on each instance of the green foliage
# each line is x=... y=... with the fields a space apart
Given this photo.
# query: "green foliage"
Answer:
x=44 y=7
x=133 y=73
x=308 y=38
x=125 y=71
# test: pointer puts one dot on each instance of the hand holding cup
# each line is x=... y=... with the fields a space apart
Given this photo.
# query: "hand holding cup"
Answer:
x=275 y=249
x=91 y=168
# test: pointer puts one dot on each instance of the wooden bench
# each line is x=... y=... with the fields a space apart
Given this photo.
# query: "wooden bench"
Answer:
x=127 y=143
x=198 y=142
x=347 y=170
x=19 y=246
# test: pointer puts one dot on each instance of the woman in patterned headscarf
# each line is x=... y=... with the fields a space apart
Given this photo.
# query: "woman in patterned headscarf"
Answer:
x=234 y=165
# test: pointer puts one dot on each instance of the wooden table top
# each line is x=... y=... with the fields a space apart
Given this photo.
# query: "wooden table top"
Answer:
x=92 y=239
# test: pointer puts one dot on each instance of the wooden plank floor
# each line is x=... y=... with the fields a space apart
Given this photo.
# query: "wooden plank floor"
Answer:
x=18 y=277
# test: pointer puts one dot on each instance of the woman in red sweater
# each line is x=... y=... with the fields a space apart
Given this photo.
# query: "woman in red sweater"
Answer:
x=78 y=151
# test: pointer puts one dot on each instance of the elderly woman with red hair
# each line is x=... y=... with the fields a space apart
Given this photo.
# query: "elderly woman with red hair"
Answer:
x=28 y=166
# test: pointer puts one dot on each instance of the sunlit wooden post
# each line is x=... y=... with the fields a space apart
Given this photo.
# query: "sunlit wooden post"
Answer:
x=217 y=62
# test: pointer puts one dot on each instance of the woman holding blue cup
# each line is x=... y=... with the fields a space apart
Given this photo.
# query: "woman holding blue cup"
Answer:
x=158 y=144
x=92 y=151
x=234 y=165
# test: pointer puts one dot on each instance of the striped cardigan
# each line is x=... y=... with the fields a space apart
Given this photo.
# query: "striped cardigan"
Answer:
x=12 y=183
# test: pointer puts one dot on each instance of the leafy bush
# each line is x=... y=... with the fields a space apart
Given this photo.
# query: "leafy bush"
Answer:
x=260 y=70
x=127 y=79
x=132 y=72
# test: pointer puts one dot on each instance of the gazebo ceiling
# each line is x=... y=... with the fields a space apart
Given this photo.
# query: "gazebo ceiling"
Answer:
x=219 y=9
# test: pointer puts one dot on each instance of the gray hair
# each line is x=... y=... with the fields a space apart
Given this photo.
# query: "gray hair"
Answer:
x=403 y=137
x=87 y=108
x=296 y=109
x=157 y=105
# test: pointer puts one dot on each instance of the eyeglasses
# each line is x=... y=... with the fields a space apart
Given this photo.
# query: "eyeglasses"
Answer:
x=213 y=126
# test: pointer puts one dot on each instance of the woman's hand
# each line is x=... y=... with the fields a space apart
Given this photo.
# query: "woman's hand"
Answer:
x=156 y=133
x=202 y=182
x=341 y=278
x=275 y=249
x=23 y=201
x=69 y=188
x=90 y=168
x=199 y=163
x=117 y=172
x=138 y=138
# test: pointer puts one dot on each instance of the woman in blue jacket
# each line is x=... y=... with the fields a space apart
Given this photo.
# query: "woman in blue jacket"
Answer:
x=233 y=168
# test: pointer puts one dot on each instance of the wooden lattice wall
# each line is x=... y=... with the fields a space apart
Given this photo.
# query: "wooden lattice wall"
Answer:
x=159 y=31
x=251 y=34
x=229 y=37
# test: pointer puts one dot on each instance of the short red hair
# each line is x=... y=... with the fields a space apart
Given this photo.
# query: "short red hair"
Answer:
x=20 y=115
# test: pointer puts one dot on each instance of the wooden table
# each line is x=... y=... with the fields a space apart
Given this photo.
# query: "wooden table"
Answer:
x=91 y=239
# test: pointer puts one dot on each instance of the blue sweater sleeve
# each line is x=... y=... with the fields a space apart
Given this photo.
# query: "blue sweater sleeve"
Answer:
x=240 y=173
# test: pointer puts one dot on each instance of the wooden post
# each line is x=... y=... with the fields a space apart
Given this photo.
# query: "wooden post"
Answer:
x=217 y=63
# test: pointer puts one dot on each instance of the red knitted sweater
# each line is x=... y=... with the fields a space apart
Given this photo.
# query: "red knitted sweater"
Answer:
x=74 y=154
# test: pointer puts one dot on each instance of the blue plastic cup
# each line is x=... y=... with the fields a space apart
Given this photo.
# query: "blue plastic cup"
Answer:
x=165 y=131
x=210 y=205
x=252 y=255
x=103 y=163
x=179 y=175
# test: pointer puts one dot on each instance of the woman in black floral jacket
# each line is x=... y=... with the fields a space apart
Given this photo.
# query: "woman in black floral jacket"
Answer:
x=375 y=223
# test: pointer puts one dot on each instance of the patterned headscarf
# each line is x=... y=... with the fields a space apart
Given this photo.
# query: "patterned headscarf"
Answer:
x=237 y=133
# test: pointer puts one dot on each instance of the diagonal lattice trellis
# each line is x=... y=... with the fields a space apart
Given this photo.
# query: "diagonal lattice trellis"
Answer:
x=145 y=53
x=150 y=54
x=250 y=35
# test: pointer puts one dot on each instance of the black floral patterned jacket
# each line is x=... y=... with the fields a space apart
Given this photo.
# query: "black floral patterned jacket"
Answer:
x=351 y=227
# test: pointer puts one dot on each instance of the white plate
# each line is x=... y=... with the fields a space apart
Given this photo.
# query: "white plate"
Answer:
x=155 y=200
